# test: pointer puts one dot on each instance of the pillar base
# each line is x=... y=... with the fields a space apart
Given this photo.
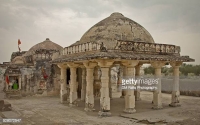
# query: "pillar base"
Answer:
x=73 y=97
x=157 y=100
x=104 y=113
x=63 y=96
x=130 y=110
x=175 y=104
x=89 y=109
x=175 y=99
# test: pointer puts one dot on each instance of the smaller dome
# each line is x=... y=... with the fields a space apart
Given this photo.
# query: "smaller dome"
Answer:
x=45 y=45
x=18 y=60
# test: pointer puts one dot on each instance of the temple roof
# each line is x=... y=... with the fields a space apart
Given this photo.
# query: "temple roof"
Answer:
x=18 y=60
x=116 y=27
x=45 y=45
x=121 y=55
x=118 y=37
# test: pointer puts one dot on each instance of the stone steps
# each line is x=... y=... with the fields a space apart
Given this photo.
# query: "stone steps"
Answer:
x=13 y=94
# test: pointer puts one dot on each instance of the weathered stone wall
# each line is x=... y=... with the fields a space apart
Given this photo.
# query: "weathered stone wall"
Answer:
x=27 y=82
x=2 y=82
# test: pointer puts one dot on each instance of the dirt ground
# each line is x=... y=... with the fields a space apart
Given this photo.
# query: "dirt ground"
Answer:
x=48 y=111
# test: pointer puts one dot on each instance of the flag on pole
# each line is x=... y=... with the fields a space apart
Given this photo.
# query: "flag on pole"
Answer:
x=19 y=42
x=7 y=80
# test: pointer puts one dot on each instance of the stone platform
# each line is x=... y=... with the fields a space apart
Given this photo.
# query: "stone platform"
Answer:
x=5 y=106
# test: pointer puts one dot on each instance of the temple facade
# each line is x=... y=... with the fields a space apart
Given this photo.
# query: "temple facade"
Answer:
x=30 y=72
x=119 y=42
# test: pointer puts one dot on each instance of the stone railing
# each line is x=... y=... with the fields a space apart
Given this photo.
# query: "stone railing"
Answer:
x=81 y=48
x=142 y=47
x=124 y=46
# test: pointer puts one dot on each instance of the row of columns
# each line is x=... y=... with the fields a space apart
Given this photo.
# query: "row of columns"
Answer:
x=87 y=91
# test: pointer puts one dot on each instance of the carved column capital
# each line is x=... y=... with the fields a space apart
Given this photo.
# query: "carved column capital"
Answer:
x=176 y=64
x=105 y=63
x=130 y=63
x=88 y=64
x=72 y=65
x=62 y=66
x=158 y=64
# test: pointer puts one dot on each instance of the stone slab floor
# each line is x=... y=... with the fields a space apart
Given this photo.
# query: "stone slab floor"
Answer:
x=48 y=111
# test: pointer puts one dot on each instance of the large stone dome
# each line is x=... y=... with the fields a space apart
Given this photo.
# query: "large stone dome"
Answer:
x=45 y=45
x=116 y=27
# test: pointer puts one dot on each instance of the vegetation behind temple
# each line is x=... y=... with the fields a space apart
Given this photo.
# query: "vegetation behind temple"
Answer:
x=188 y=71
x=185 y=70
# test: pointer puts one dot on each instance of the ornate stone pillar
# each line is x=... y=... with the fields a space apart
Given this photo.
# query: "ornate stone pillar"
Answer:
x=105 y=99
x=63 y=78
x=157 y=94
x=124 y=75
x=24 y=77
x=130 y=97
x=96 y=81
x=7 y=85
x=89 y=100
x=73 y=84
x=83 y=88
x=175 y=101
x=20 y=83
x=28 y=83
x=96 y=73
x=137 y=75
x=110 y=83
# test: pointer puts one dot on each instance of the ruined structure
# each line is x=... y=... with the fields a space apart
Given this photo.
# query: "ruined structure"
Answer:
x=32 y=71
x=120 y=42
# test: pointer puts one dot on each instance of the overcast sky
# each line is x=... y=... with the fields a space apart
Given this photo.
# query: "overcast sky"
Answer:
x=65 y=21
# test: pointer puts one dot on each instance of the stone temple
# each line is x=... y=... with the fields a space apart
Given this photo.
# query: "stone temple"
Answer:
x=94 y=66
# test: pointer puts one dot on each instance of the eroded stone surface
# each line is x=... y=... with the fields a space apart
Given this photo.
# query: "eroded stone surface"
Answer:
x=116 y=27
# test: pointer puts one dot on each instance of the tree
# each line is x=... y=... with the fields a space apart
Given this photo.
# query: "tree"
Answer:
x=149 y=70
